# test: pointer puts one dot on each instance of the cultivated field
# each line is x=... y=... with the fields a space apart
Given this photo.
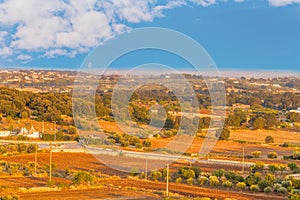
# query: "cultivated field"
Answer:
x=259 y=136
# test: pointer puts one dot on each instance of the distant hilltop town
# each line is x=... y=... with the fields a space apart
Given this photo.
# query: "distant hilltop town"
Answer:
x=43 y=81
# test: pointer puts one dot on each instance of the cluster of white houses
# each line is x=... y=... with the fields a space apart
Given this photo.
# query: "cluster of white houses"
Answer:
x=31 y=133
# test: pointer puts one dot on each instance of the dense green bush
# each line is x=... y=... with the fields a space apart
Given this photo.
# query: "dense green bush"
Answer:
x=83 y=178
x=254 y=188
x=190 y=181
x=186 y=172
x=202 y=180
x=9 y=197
x=282 y=190
x=241 y=185
x=253 y=178
x=227 y=184
x=272 y=155
x=178 y=180
x=256 y=154
x=259 y=166
x=268 y=190
x=156 y=174
x=214 y=181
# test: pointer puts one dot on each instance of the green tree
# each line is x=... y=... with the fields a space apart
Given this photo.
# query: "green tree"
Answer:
x=72 y=129
x=259 y=123
x=271 y=121
x=223 y=133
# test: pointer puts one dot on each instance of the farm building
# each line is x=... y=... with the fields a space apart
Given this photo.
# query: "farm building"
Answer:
x=32 y=133
x=4 y=133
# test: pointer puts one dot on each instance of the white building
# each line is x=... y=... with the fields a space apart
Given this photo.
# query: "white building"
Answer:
x=32 y=133
x=296 y=111
x=23 y=131
x=4 y=133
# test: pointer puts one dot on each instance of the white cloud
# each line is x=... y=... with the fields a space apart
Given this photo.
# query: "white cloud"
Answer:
x=55 y=52
x=282 y=2
x=68 y=27
x=5 y=51
x=204 y=3
x=24 y=57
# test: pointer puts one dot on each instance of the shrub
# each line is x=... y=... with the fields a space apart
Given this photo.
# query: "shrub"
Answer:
x=268 y=190
x=277 y=186
x=259 y=166
x=286 y=184
x=156 y=175
x=296 y=153
x=9 y=197
x=178 y=180
x=218 y=173
x=253 y=179
x=282 y=190
x=241 y=185
x=186 y=172
x=273 y=168
x=233 y=177
x=227 y=184
x=263 y=184
x=282 y=168
x=272 y=155
x=190 y=181
x=294 y=195
x=293 y=167
x=214 y=181
x=269 y=139
x=271 y=178
x=254 y=188
x=295 y=183
x=83 y=178
x=134 y=171
x=202 y=180
x=256 y=154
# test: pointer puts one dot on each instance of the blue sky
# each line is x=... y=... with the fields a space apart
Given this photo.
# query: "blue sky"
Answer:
x=243 y=35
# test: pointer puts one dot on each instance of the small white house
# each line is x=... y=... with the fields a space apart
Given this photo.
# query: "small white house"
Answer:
x=23 y=131
x=4 y=133
x=32 y=133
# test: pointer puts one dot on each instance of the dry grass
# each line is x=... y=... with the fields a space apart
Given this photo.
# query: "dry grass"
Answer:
x=259 y=136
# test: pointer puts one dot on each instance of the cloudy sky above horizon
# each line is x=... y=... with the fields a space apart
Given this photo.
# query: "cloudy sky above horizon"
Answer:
x=238 y=34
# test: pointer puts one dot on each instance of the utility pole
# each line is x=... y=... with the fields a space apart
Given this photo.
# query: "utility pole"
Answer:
x=146 y=169
x=43 y=126
x=35 y=158
x=50 y=173
x=167 y=189
x=55 y=133
x=243 y=166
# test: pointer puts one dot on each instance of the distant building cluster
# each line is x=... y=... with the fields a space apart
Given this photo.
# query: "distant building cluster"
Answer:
x=31 y=133
x=296 y=111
